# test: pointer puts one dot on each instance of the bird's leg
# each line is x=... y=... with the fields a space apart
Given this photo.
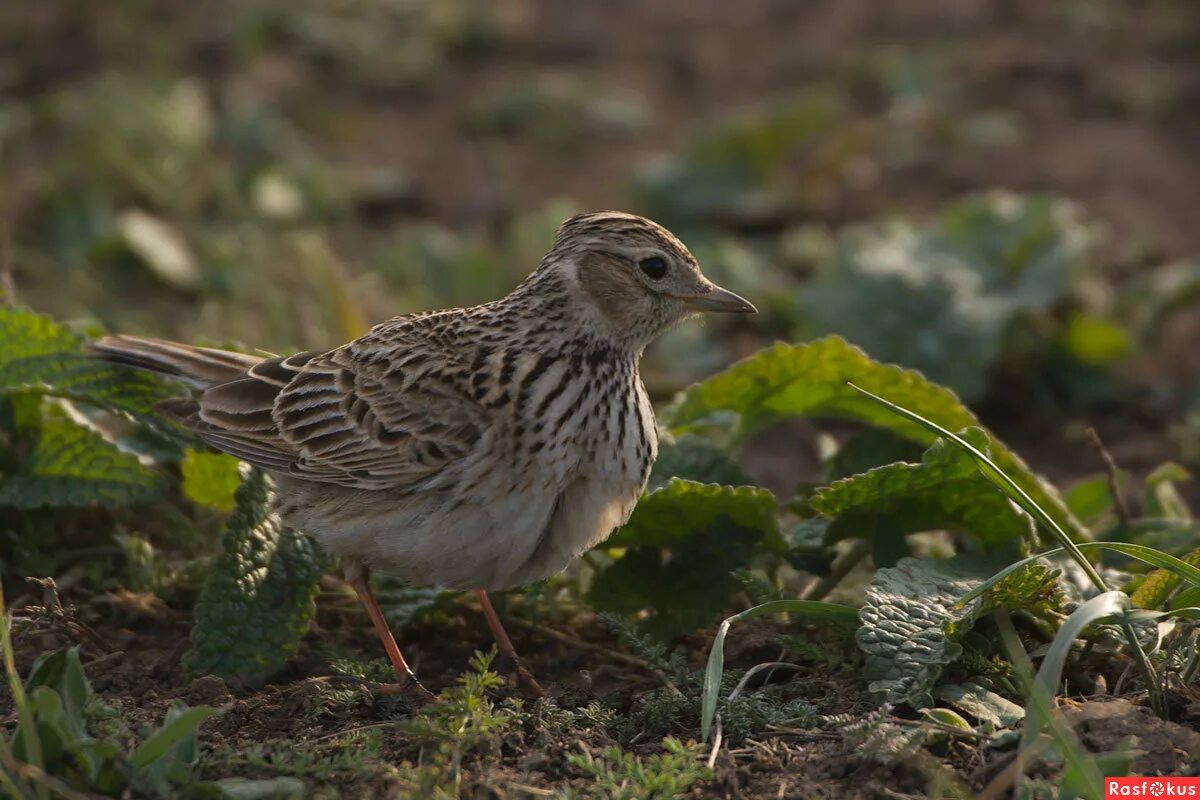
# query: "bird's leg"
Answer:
x=505 y=645
x=406 y=682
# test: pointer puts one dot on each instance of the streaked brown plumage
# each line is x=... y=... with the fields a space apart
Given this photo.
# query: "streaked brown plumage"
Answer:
x=472 y=448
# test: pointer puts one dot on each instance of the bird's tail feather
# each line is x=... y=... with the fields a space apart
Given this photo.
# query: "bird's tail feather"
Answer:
x=200 y=366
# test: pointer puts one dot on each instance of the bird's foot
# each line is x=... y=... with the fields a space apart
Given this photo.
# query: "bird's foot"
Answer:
x=525 y=680
x=417 y=694
x=411 y=688
x=529 y=685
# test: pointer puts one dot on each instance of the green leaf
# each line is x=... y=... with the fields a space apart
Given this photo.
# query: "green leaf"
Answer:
x=258 y=601
x=210 y=479
x=711 y=531
x=1090 y=498
x=813 y=380
x=166 y=758
x=62 y=672
x=1188 y=598
x=941 y=297
x=867 y=450
x=683 y=590
x=53 y=728
x=697 y=459
x=716 y=654
x=981 y=703
x=681 y=508
x=912 y=623
x=944 y=491
x=73 y=465
x=38 y=354
x=1018 y=495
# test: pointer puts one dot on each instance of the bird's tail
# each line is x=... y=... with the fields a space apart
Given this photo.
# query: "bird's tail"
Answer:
x=200 y=366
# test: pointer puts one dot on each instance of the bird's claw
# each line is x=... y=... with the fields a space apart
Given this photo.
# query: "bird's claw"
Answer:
x=525 y=680
x=412 y=689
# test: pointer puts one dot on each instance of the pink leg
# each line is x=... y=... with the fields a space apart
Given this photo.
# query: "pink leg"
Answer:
x=406 y=681
x=505 y=645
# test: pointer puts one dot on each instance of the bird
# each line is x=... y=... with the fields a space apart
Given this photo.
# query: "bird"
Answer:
x=479 y=448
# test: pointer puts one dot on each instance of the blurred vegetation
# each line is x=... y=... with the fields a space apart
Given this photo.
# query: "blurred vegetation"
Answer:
x=998 y=197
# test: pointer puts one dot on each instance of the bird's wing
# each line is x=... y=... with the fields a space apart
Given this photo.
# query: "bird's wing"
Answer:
x=389 y=411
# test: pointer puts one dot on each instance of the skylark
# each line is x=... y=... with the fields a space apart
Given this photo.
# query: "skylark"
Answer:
x=478 y=448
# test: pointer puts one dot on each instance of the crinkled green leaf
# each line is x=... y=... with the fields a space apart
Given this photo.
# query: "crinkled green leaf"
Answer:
x=912 y=625
x=812 y=380
x=944 y=491
x=942 y=296
x=869 y=449
x=683 y=590
x=210 y=479
x=73 y=465
x=694 y=458
x=38 y=354
x=258 y=600
x=683 y=508
x=710 y=530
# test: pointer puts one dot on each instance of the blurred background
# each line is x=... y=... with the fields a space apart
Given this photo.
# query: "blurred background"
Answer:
x=1001 y=193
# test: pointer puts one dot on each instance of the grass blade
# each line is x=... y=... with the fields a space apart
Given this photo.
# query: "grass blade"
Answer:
x=1041 y=705
x=1149 y=555
x=28 y=725
x=1022 y=499
x=716 y=656
x=1050 y=673
x=997 y=476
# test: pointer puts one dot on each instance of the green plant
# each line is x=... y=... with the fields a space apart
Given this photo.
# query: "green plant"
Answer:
x=460 y=720
x=619 y=775
x=66 y=443
x=944 y=296
x=52 y=746
x=258 y=600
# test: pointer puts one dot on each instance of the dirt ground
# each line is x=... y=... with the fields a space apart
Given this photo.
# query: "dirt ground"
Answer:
x=1092 y=131
x=132 y=644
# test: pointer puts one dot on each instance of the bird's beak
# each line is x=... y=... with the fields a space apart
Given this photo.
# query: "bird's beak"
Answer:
x=718 y=299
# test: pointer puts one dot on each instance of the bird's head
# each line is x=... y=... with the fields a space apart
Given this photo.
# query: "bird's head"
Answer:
x=636 y=276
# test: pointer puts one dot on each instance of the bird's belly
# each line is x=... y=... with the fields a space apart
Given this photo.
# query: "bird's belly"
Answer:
x=433 y=540
x=587 y=511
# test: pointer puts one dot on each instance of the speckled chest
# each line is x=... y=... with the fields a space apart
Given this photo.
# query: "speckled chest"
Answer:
x=575 y=411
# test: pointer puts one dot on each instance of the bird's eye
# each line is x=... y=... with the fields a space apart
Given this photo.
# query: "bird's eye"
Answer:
x=654 y=267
